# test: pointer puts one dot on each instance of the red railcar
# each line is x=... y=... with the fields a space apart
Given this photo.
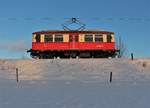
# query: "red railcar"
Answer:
x=54 y=43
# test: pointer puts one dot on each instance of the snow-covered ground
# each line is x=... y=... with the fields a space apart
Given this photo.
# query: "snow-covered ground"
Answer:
x=75 y=83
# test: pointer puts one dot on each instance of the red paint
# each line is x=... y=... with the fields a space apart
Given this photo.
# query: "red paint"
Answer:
x=72 y=38
x=73 y=46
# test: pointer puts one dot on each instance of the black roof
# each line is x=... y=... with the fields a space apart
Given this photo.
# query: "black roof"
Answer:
x=63 y=31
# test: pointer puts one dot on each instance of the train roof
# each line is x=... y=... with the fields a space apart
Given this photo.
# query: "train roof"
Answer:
x=63 y=31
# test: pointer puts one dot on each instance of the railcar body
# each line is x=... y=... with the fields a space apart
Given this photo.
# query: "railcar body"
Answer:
x=49 y=44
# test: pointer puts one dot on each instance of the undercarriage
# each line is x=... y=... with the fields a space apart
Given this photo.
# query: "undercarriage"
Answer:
x=71 y=54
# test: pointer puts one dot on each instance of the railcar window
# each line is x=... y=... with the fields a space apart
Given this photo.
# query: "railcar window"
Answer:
x=88 y=38
x=98 y=38
x=59 y=38
x=38 y=38
x=48 y=38
x=109 y=37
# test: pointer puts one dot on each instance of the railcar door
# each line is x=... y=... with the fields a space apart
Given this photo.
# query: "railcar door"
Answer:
x=73 y=40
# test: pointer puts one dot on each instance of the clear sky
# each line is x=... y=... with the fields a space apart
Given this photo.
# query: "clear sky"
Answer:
x=19 y=18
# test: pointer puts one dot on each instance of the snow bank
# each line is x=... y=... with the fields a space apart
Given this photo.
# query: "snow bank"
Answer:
x=75 y=83
x=77 y=69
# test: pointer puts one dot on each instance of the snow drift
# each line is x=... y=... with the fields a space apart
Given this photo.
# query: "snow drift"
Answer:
x=75 y=83
x=77 y=69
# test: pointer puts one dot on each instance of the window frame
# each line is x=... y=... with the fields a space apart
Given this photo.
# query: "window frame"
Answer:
x=46 y=37
x=100 y=37
x=88 y=35
x=59 y=35
x=38 y=38
x=109 y=40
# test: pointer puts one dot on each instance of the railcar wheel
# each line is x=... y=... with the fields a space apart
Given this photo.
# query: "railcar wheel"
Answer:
x=84 y=55
x=73 y=55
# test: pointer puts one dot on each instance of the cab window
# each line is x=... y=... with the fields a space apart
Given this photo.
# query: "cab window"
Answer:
x=38 y=38
x=109 y=37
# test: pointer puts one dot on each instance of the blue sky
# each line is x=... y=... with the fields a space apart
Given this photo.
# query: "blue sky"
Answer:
x=15 y=31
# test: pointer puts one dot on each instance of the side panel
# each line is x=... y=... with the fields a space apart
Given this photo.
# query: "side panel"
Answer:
x=93 y=37
x=113 y=38
x=66 y=46
x=73 y=45
x=42 y=37
x=81 y=37
x=50 y=46
x=105 y=37
x=97 y=46
x=33 y=38
x=66 y=37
